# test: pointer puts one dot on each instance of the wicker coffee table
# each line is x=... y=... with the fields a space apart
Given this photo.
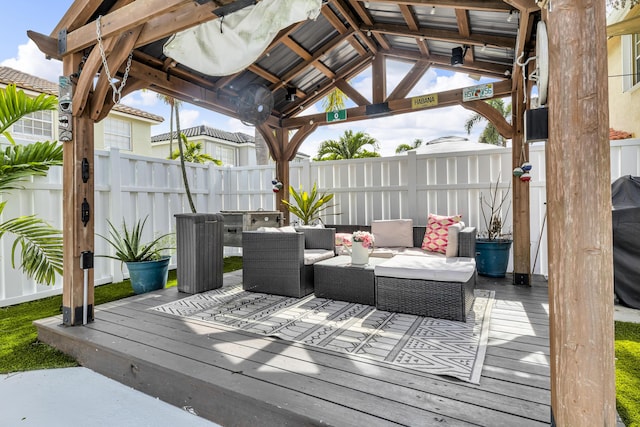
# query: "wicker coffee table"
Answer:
x=336 y=278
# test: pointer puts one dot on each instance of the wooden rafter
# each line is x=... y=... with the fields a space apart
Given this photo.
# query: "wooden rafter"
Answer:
x=351 y=92
x=486 y=5
x=462 y=16
x=494 y=116
x=410 y=80
x=441 y=35
x=410 y=18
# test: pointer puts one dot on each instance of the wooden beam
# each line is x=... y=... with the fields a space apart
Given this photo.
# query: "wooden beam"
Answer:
x=486 y=5
x=520 y=191
x=77 y=15
x=115 y=60
x=346 y=12
x=441 y=35
x=379 y=79
x=524 y=34
x=350 y=91
x=298 y=138
x=462 y=16
x=410 y=80
x=78 y=236
x=412 y=22
x=88 y=74
x=504 y=128
x=579 y=218
x=397 y=106
x=121 y=20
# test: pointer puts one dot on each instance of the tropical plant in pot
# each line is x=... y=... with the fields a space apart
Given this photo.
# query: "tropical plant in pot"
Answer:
x=308 y=206
x=494 y=245
x=147 y=263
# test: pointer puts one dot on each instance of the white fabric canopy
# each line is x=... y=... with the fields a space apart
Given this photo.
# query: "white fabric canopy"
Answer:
x=230 y=44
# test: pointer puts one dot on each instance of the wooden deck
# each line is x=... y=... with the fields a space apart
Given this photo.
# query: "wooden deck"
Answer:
x=240 y=379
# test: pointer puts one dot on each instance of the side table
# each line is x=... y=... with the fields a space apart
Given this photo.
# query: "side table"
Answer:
x=335 y=278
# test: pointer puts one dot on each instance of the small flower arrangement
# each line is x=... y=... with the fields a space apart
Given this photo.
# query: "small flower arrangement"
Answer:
x=363 y=237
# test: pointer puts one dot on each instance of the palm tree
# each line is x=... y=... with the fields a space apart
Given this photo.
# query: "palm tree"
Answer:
x=175 y=104
x=406 y=147
x=490 y=134
x=336 y=100
x=40 y=243
x=193 y=152
x=182 y=165
x=349 y=146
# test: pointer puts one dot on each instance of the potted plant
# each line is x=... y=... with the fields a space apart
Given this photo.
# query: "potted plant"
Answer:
x=493 y=245
x=147 y=263
x=308 y=206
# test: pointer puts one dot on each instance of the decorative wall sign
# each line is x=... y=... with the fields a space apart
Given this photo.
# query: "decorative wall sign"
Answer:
x=483 y=91
x=424 y=101
x=336 y=116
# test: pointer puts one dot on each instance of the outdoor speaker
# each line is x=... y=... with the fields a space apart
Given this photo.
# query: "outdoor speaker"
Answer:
x=536 y=124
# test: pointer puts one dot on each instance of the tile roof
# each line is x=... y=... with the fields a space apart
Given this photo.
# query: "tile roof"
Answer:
x=618 y=134
x=37 y=84
x=202 y=130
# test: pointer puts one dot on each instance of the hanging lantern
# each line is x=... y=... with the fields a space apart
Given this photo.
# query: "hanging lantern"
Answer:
x=517 y=172
x=526 y=177
x=526 y=166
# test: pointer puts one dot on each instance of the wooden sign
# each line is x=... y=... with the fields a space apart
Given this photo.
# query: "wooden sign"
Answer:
x=424 y=101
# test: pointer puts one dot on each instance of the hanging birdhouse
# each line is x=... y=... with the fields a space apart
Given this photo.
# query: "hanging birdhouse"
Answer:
x=517 y=172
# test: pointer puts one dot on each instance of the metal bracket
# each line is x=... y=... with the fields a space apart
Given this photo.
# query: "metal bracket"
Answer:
x=62 y=41
x=85 y=212
x=85 y=170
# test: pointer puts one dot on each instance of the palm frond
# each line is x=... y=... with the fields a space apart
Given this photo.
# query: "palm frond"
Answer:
x=15 y=104
x=19 y=162
x=40 y=244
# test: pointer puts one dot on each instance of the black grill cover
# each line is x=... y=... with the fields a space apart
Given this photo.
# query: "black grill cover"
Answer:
x=625 y=196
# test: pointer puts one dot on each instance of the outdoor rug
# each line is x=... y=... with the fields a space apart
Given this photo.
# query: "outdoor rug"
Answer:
x=436 y=346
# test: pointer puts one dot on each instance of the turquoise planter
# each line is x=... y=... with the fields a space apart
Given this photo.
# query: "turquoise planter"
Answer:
x=148 y=276
x=492 y=257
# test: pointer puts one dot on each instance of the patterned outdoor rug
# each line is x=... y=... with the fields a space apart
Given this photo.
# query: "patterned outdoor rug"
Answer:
x=436 y=346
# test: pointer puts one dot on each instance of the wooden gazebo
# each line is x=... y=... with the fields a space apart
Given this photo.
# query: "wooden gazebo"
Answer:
x=310 y=58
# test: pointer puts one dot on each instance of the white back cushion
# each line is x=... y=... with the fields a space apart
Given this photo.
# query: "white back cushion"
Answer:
x=393 y=233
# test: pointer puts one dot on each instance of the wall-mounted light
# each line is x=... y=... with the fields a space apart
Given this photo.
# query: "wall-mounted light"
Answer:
x=433 y=10
x=368 y=33
x=457 y=56
x=483 y=48
x=510 y=17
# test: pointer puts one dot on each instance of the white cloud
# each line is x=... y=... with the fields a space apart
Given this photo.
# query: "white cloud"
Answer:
x=32 y=61
x=142 y=98
x=189 y=118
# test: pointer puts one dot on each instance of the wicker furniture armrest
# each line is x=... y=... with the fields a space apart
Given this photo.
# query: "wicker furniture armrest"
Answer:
x=319 y=238
x=467 y=242
x=273 y=263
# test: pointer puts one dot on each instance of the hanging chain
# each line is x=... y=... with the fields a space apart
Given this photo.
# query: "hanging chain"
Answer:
x=117 y=91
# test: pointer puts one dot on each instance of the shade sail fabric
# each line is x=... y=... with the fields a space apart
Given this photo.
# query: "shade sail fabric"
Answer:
x=230 y=44
x=625 y=196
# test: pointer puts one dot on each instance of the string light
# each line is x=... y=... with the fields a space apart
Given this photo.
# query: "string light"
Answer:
x=433 y=10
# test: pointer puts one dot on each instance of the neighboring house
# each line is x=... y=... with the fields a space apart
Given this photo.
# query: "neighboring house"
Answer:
x=126 y=128
x=623 y=53
x=232 y=148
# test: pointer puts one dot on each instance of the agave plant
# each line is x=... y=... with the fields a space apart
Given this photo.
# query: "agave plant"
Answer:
x=129 y=246
x=40 y=244
x=308 y=206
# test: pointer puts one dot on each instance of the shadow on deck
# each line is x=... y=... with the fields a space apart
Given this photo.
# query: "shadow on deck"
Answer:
x=240 y=379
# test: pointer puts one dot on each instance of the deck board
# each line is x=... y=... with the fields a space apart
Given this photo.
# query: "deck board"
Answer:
x=237 y=378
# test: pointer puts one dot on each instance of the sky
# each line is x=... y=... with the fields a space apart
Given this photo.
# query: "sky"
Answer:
x=18 y=52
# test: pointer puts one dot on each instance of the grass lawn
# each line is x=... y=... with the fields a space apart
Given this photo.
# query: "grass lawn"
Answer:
x=627 y=346
x=20 y=349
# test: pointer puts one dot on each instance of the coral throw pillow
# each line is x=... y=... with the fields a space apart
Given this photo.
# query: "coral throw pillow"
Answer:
x=437 y=235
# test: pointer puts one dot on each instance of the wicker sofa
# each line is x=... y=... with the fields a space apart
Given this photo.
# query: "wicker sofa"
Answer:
x=416 y=282
x=281 y=262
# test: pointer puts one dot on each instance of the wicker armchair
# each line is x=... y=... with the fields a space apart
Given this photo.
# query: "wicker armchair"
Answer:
x=282 y=263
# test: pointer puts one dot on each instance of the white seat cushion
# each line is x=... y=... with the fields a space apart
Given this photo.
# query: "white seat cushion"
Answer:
x=428 y=268
x=311 y=256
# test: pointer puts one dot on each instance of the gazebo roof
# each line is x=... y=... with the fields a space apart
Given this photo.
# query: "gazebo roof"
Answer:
x=309 y=58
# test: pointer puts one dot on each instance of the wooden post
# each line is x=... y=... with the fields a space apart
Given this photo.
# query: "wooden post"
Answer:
x=78 y=236
x=282 y=170
x=579 y=213
x=521 y=214
x=379 y=79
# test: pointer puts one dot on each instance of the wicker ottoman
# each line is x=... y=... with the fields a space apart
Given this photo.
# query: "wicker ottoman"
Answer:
x=337 y=279
x=399 y=287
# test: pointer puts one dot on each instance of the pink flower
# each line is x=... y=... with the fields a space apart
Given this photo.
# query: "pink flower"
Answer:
x=363 y=237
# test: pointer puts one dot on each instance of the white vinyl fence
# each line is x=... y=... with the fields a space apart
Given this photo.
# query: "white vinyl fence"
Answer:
x=406 y=186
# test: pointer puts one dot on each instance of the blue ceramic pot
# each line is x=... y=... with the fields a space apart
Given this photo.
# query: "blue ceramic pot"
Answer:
x=492 y=257
x=147 y=276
